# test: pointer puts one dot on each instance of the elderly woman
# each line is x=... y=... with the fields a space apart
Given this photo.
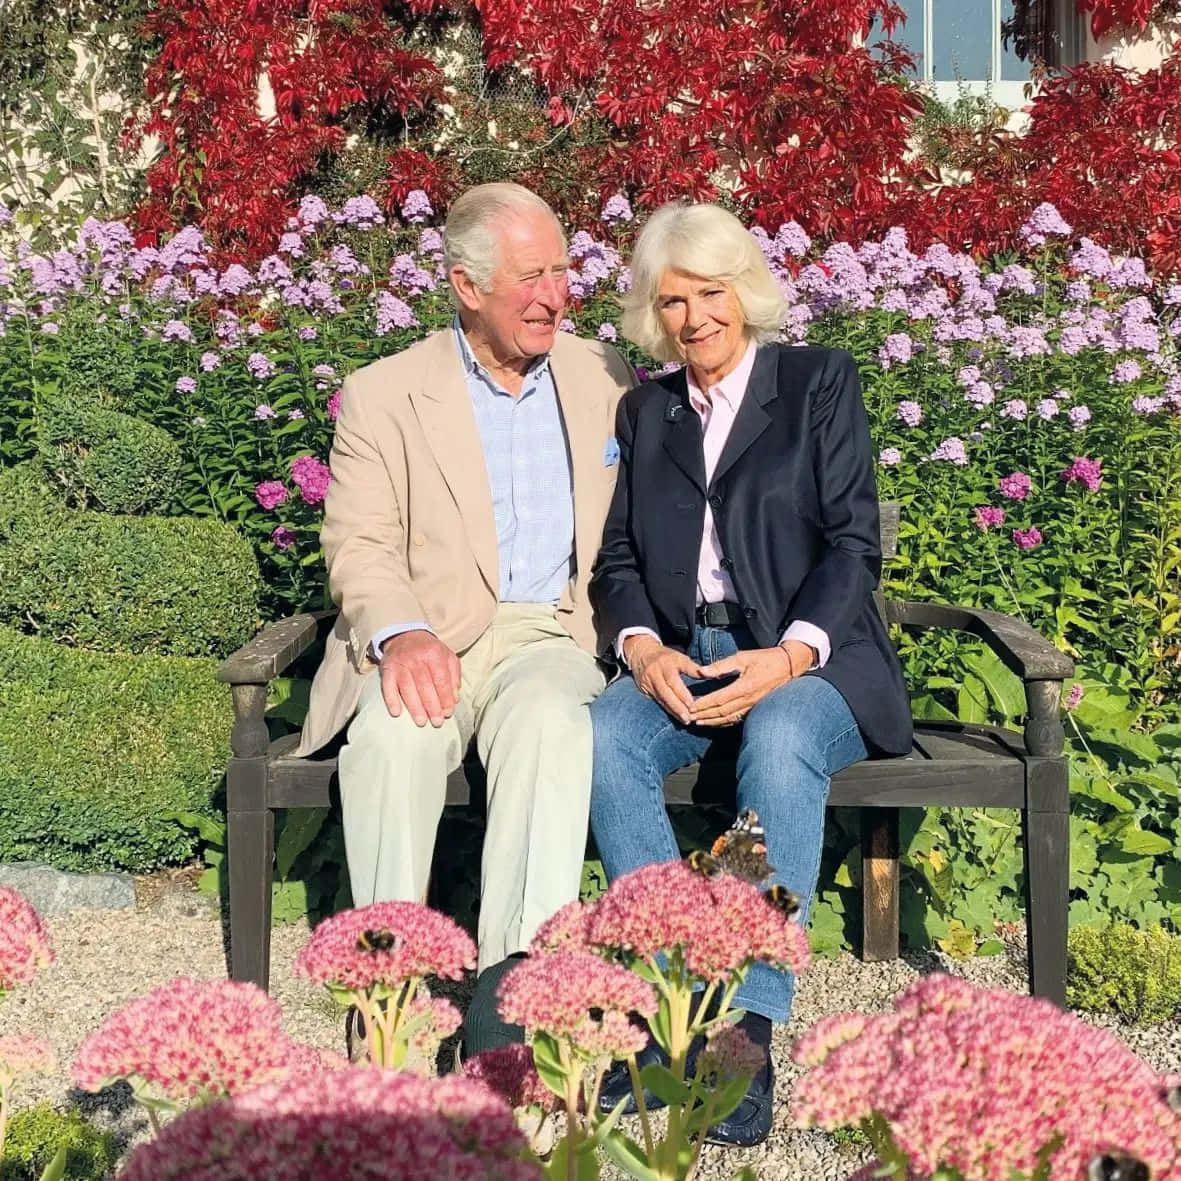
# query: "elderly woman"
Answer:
x=735 y=579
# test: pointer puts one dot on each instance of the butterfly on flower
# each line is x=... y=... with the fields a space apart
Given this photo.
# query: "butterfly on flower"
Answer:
x=376 y=941
x=742 y=852
x=1117 y=1166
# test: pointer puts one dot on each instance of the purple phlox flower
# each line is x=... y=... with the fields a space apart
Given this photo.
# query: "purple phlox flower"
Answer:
x=951 y=449
x=406 y=273
x=260 y=366
x=1027 y=539
x=323 y=371
x=607 y=332
x=361 y=213
x=1128 y=273
x=312 y=478
x=1144 y=404
x=184 y=250
x=204 y=281
x=393 y=313
x=1125 y=372
x=1088 y=472
x=1072 y=340
x=1028 y=342
x=1016 y=486
x=792 y=239
x=898 y=348
x=294 y=415
x=893 y=301
x=968 y=375
x=1079 y=416
x=890 y=457
x=332 y=406
x=416 y=208
x=50 y=328
x=430 y=242
x=6 y=215
x=235 y=279
x=1044 y=222
x=344 y=262
x=270 y=494
x=307 y=332
x=312 y=212
x=274 y=270
x=169 y=289
x=263 y=412
x=186 y=385
x=1017 y=278
x=1091 y=259
x=988 y=517
x=209 y=362
x=283 y=537
x=177 y=330
x=318 y=295
x=911 y=413
x=980 y=394
x=1078 y=291
x=616 y=208
x=291 y=243
x=623 y=280
x=567 y=325
x=1047 y=408
x=1074 y=695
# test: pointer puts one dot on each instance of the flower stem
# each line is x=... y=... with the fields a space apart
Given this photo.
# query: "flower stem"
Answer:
x=641 y=1105
x=3 y=1117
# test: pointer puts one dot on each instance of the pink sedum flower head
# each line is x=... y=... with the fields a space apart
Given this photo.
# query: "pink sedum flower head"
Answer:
x=24 y=941
x=565 y=930
x=22 y=1055
x=580 y=998
x=510 y=1073
x=981 y=1081
x=193 y=1040
x=425 y=943
x=358 y=1125
x=719 y=924
x=729 y=1054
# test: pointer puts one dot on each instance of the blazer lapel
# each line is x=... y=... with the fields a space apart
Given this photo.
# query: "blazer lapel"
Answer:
x=444 y=409
x=682 y=433
x=752 y=420
x=583 y=417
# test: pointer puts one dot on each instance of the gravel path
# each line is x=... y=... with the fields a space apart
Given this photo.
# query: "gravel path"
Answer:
x=105 y=958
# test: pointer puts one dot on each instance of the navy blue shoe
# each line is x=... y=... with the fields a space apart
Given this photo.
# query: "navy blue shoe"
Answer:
x=750 y=1122
x=617 y=1083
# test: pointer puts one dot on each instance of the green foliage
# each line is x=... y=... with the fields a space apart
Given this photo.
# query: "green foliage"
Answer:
x=103 y=459
x=182 y=586
x=1119 y=969
x=946 y=132
x=97 y=750
x=36 y=1134
x=25 y=498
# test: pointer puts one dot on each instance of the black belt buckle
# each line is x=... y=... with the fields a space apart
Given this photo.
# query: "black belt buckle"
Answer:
x=720 y=615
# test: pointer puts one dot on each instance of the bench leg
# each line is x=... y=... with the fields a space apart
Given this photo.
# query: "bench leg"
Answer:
x=879 y=884
x=250 y=839
x=1046 y=827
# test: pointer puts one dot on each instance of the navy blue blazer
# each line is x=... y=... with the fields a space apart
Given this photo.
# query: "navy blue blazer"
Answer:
x=796 y=510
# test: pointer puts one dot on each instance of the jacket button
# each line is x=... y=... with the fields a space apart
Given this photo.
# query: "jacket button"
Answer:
x=726 y=565
x=715 y=501
x=419 y=539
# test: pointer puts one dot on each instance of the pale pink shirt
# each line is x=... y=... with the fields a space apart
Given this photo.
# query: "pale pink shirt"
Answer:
x=717 y=408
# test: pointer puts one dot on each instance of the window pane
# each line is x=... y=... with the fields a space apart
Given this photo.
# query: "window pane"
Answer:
x=963 y=40
x=908 y=35
x=1013 y=69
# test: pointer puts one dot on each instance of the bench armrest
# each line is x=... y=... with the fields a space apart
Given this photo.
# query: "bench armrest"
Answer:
x=277 y=646
x=1024 y=652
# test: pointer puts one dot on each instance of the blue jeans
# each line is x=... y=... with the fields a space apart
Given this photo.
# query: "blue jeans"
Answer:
x=790 y=745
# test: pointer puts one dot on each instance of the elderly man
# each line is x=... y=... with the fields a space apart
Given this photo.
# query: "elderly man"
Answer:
x=471 y=477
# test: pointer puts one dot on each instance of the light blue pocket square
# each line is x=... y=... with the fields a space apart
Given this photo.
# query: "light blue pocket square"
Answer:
x=611 y=452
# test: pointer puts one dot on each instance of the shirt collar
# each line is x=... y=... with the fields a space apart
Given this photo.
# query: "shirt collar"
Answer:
x=731 y=388
x=471 y=364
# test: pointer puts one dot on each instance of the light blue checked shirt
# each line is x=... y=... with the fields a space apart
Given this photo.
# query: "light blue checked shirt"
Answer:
x=529 y=473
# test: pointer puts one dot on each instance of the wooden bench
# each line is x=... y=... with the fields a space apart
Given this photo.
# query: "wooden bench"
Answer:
x=953 y=764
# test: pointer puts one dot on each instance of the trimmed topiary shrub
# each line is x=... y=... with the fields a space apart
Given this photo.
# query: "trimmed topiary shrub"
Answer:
x=36 y=1134
x=100 y=458
x=178 y=585
x=97 y=750
x=26 y=501
x=1121 y=969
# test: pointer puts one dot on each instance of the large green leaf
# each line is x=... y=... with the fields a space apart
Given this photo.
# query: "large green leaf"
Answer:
x=300 y=828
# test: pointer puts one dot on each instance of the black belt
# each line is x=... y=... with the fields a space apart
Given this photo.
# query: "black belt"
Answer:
x=720 y=615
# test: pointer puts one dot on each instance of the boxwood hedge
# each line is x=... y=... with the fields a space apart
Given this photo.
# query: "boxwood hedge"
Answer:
x=98 y=749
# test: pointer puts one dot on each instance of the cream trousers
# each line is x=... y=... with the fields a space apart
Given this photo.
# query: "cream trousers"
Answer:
x=524 y=694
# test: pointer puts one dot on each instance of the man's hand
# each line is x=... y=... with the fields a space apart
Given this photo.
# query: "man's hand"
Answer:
x=657 y=671
x=760 y=671
x=420 y=672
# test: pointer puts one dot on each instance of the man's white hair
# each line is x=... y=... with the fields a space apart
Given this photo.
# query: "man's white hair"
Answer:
x=470 y=240
x=707 y=241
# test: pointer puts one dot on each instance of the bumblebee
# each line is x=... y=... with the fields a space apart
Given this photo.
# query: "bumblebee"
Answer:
x=1117 y=1166
x=740 y=851
x=376 y=941
x=783 y=900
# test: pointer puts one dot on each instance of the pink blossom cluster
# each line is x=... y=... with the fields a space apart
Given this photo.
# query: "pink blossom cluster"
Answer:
x=359 y=1123
x=24 y=941
x=424 y=943
x=729 y=1054
x=270 y=494
x=22 y=1054
x=192 y=1039
x=1088 y=472
x=312 y=478
x=981 y=1081
x=1016 y=486
x=719 y=925
x=580 y=998
x=988 y=517
x=439 y=1017
x=510 y=1073
x=1027 y=539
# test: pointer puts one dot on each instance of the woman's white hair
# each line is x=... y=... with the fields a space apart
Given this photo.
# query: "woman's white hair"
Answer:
x=469 y=238
x=707 y=241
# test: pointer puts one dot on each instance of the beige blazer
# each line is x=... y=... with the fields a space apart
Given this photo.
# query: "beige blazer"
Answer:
x=408 y=528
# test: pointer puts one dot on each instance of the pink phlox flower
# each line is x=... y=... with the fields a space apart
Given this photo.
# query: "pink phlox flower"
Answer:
x=890 y=457
x=580 y=998
x=910 y=413
x=565 y=930
x=729 y=1053
x=283 y=537
x=425 y=943
x=510 y=1073
x=333 y=406
x=989 y=517
x=24 y=941
x=1074 y=695
x=952 y=450
x=1016 y=409
x=312 y=478
x=1015 y=486
x=718 y=925
x=1027 y=539
x=981 y=1081
x=192 y=1040
x=270 y=494
x=359 y=1123
x=1088 y=472
x=22 y=1054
